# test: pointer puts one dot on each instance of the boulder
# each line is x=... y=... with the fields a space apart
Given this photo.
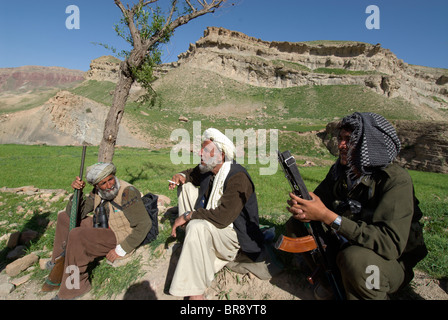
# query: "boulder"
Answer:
x=19 y=265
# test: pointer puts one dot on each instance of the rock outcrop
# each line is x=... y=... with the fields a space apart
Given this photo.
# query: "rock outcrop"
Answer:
x=65 y=119
x=277 y=64
x=285 y=64
x=104 y=68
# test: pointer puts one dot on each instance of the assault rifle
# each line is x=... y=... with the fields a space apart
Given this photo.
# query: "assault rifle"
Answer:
x=314 y=242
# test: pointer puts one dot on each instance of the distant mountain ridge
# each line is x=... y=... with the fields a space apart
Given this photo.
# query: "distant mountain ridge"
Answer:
x=31 y=77
x=230 y=80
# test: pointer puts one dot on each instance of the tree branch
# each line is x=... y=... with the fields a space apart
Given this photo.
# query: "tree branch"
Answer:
x=120 y=5
x=148 y=2
x=168 y=20
x=129 y=15
x=190 y=5
x=207 y=8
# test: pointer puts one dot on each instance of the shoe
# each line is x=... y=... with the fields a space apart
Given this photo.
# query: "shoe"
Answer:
x=322 y=293
x=49 y=265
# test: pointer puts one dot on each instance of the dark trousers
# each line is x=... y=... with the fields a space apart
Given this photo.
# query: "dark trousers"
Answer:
x=82 y=245
x=363 y=273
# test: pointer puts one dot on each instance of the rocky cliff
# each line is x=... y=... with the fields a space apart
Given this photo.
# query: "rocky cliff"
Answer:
x=104 y=68
x=65 y=119
x=285 y=64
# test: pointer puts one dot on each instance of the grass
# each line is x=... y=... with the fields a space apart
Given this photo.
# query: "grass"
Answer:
x=54 y=167
x=191 y=92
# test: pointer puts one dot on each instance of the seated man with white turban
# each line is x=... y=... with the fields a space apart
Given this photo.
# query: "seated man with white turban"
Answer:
x=218 y=203
x=128 y=225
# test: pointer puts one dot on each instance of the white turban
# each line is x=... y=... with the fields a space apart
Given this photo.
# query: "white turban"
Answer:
x=221 y=141
x=98 y=171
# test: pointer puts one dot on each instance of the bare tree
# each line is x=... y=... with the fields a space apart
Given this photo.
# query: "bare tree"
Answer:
x=144 y=38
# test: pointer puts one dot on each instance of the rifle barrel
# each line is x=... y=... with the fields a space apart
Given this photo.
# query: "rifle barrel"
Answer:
x=77 y=194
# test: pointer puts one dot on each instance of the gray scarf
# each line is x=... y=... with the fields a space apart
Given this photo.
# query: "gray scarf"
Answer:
x=373 y=143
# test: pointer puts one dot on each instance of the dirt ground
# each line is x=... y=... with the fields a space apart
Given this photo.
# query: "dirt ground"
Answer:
x=154 y=284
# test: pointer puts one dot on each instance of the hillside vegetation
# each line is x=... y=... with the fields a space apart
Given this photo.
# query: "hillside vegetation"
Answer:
x=49 y=167
x=188 y=96
x=219 y=102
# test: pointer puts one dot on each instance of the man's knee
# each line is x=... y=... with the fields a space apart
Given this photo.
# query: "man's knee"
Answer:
x=63 y=218
x=198 y=227
x=366 y=275
x=76 y=235
x=187 y=189
x=353 y=261
x=187 y=195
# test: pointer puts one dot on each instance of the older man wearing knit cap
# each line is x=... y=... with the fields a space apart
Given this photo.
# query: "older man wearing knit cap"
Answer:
x=218 y=205
x=368 y=201
x=127 y=225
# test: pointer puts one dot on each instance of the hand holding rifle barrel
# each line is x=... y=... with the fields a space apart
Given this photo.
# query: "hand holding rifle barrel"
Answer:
x=53 y=281
x=309 y=209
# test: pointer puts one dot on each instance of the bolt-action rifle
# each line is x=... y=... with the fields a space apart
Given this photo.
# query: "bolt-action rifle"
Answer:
x=314 y=242
x=53 y=281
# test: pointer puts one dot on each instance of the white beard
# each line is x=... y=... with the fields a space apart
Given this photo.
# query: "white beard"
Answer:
x=110 y=194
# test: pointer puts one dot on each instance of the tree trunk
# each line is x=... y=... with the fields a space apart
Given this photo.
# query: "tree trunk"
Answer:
x=136 y=59
x=112 y=124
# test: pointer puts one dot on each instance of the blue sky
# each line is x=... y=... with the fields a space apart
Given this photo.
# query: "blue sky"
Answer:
x=34 y=32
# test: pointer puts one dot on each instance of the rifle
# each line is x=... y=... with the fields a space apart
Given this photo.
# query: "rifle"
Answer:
x=54 y=279
x=314 y=241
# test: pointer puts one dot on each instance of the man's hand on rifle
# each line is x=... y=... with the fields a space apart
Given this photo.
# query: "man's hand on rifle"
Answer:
x=78 y=184
x=310 y=210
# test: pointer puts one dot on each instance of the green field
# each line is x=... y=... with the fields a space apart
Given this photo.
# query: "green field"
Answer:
x=49 y=167
x=213 y=101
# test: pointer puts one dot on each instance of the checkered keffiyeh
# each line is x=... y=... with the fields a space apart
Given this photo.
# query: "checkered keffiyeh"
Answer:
x=373 y=143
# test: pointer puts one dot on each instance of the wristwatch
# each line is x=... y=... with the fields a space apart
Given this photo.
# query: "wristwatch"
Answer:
x=186 y=213
x=336 y=224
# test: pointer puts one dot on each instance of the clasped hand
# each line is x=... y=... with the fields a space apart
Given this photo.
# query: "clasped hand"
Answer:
x=309 y=210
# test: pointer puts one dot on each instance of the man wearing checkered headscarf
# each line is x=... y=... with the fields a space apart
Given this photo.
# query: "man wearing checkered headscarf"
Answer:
x=373 y=143
x=368 y=201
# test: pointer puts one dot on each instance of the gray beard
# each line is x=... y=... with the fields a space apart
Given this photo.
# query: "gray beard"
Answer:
x=210 y=165
x=110 y=194
x=205 y=168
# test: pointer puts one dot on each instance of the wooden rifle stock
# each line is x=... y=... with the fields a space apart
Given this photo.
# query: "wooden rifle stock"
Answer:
x=54 y=279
